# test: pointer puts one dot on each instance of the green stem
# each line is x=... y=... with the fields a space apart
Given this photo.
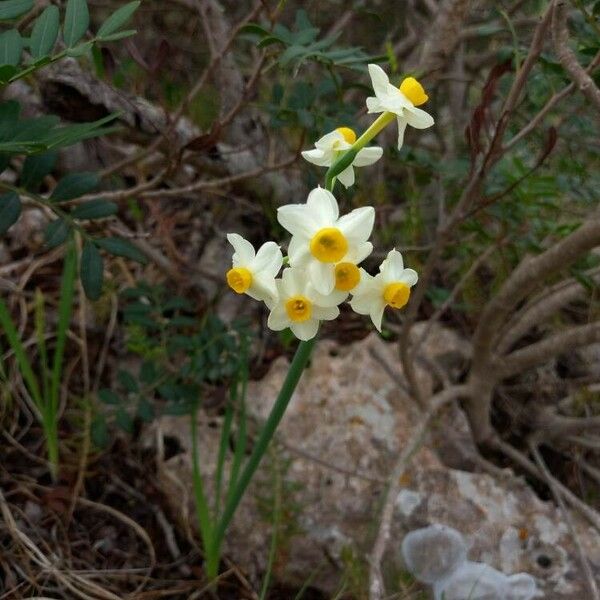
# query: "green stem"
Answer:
x=382 y=121
x=346 y=159
x=297 y=367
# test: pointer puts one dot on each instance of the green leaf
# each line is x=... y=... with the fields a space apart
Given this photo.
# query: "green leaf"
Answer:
x=121 y=247
x=45 y=32
x=10 y=210
x=77 y=20
x=91 y=270
x=79 y=50
x=99 y=431
x=35 y=168
x=119 y=35
x=11 y=9
x=11 y=45
x=74 y=185
x=95 y=209
x=123 y=420
x=56 y=233
x=7 y=72
x=117 y=20
x=128 y=381
x=108 y=397
x=145 y=410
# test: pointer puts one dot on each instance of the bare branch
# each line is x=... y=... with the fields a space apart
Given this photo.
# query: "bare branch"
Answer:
x=585 y=564
x=541 y=307
x=376 y=586
x=568 y=59
x=557 y=344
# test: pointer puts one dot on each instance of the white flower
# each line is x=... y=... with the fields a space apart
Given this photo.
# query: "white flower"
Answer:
x=321 y=238
x=401 y=101
x=390 y=287
x=254 y=273
x=299 y=307
x=330 y=146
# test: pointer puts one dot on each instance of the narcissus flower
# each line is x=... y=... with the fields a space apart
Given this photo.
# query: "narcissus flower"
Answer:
x=390 y=287
x=254 y=273
x=330 y=146
x=299 y=307
x=321 y=238
x=401 y=101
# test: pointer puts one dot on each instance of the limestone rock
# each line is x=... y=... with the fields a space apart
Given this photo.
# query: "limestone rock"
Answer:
x=348 y=420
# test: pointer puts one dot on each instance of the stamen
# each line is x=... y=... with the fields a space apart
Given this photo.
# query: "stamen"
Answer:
x=329 y=245
x=414 y=91
x=396 y=295
x=298 y=308
x=347 y=133
x=347 y=276
x=239 y=279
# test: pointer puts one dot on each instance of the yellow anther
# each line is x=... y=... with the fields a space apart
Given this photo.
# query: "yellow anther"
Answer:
x=347 y=133
x=414 y=91
x=298 y=308
x=239 y=279
x=329 y=245
x=396 y=294
x=347 y=276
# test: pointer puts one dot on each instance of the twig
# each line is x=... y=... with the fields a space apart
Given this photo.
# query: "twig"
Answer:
x=376 y=585
x=560 y=36
x=585 y=564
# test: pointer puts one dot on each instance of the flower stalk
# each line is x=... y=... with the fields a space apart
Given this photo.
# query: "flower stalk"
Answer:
x=297 y=366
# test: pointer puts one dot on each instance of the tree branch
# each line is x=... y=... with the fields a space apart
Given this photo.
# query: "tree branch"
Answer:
x=568 y=59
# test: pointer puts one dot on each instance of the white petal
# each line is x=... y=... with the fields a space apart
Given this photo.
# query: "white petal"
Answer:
x=358 y=224
x=409 y=277
x=392 y=267
x=374 y=105
x=268 y=259
x=360 y=252
x=299 y=251
x=305 y=330
x=401 y=130
x=376 y=313
x=323 y=207
x=244 y=251
x=325 y=313
x=278 y=319
x=322 y=276
x=263 y=288
x=417 y=118
x=297 y=219
x=367 y=285
x=317 y=157
x=293 y=282
x=368 y=156
x=379 y=79
x=362 y=303
x=346 y=177
x=328 y=141
x=326 y=300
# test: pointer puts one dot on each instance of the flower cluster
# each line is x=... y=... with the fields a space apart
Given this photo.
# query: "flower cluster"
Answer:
x=322 y=267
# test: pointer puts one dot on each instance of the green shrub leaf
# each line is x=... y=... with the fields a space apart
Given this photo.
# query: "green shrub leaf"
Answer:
x=35 y=168
x=77 y=20
x=95 y=209
x=121 y=247
x=117 y=20
x=11 y=45
x=45 y=32
x=91 y=270
x=108 y=397
x=10 y=209
x=56 y=233
x=11 y=9
x=74 y=185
